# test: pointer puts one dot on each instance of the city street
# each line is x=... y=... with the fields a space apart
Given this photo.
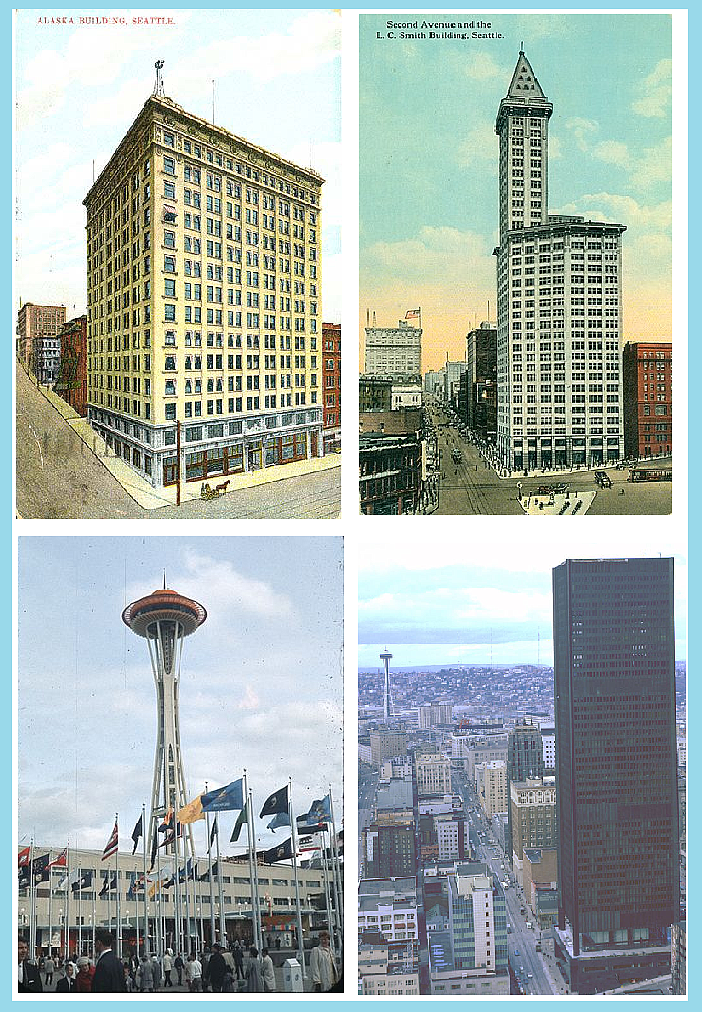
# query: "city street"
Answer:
x=473 y=487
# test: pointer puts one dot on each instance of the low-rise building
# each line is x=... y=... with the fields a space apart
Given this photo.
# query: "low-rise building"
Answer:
x=648 y=401
x=391 y=470
x=331 y=386
x=388 y=906
x=72 y=377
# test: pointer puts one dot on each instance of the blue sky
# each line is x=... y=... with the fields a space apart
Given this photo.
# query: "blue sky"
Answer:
x=472 y=592
x=261 y=682
x=428 y=160
x=79 y=88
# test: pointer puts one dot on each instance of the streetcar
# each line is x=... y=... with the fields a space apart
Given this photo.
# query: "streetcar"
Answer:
x=650 y=474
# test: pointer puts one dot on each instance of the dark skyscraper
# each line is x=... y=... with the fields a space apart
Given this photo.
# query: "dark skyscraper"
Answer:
x=525 y=761
x=614 y=667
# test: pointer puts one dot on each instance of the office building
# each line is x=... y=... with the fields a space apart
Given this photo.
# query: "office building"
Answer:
x=616 y=771
x=71 y=381
x=204 y=301
x=434 y=714
x=46 y=357
x=524 y=762
x=391 y=470
x=481 y=381
x=331 y=383
x=389 y=850
x=386 y=744
x=386 y=968
x=648 y=399
x=559 y=305
x=532 y=821
x=394 y=352
x=388 y=906
x=33 y=322
x=433 y=773
x=491 y=785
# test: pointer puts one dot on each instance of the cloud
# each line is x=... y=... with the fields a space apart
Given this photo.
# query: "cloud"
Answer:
x=655 y=91
x=479 y=145
x=482 y=67
x=438 y=251
x=621 y=208
x=582 y=130
x=654 y=166
x=612 y=152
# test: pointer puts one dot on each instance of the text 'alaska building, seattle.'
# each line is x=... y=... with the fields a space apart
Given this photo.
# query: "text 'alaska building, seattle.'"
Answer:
x=559 y=306
x=204 y=301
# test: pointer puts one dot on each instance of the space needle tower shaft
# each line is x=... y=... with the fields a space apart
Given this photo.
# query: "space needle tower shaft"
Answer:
x=164 y=619
x=386 y=657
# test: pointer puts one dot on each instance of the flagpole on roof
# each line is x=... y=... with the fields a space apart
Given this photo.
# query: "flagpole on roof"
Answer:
x=291 y=815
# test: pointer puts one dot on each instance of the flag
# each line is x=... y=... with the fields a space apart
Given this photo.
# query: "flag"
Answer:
x=167 y=823
x=224 y=799
x=240 y=822
x=109 y=883
x=40 y=868
x=303 y=826
x=68 y=880
x=192 y=811
x=305 y=843
x=412 y=314
x=206 y=874
x=281 y=819
x=154 y=848
x=213 y=831
x=61 y=861
x=276 y=802
x=320 y=810
x=23 y=876
x=112 y=844
x=170 y=838
x=137 y=832
x=283 y=852
x=132 y=885
x=23 y=857
x=84 y=882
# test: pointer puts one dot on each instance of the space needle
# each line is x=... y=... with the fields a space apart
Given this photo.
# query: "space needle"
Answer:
x=386 y=657
x=164 y=619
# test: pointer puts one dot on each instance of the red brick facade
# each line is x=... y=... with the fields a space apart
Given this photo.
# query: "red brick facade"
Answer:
x=72 y=381
x=648 y=404
x=331 y=382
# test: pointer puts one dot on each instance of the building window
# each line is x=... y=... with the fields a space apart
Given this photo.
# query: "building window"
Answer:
x=169 y=165
x=169 y=311
x=170 y=412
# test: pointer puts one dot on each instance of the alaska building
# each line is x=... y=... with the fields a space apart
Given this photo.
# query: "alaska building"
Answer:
x=559 y=296
x=204 y=301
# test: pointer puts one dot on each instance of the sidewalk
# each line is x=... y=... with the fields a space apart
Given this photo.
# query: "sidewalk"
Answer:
x=151 y=498
x=541 y=505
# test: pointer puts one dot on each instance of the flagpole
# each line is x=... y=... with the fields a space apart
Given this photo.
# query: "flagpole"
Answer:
x=32 y=925
x=209 y=869
x=252 y=886
x=337 y=865
x=186 y=947
x=334 y=888
x=51 y=892
x=178 y=912
x=94 y=885
x=291 y=815
x=220 y=888
x=80 y=907
x=256 y=909
x=68 y=907
x=118 y=908
x=157 y=891
x=145 y=932
x=326 y=894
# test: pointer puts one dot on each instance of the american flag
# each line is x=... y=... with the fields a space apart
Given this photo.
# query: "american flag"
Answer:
x=412 y=314
x=112 y=843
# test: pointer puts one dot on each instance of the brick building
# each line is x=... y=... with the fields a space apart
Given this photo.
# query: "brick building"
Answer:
x=331 y=383
x=72 y=378
x=648 y=402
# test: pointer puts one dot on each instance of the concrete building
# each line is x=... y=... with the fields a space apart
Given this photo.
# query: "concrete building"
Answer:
x=678 y=958
x=72 y=379
x=406 y=395
x=65 y=918
x=331 y=384
x=35 y=321
x=492 y=748
x=616 y=770
x=433 y=772
x=397 y=768
x=204 y=301
x=533 y=819
x=388 y=906
x=389 y=850
x=434 y=714
x=386 y=744
x=452 y=378
x=433 y=382
x=452 y=837
x=481 y=379
x=559 y=305
x=524 y=762
x=648 y=399
x=387 y=968
x=46 y=357
x=539 y=877
x=491 y=785
x=394 y=352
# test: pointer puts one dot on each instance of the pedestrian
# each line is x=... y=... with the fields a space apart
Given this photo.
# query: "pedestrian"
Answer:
x=28 y=976
x=145 y=975
x=267 y=972
x=49 y=970
x=193 y=973
x=179 y=964
x=253 y=972
x=238 y=959
x=129 y=982
x=109 y=976
x=68 y=981
x=156 y=964
x=167 y=967
x=84 y=975
x=216 y=969
x=323 y=968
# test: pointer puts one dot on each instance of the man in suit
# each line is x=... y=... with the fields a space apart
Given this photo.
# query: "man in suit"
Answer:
x=28 y=978
x=109 y=974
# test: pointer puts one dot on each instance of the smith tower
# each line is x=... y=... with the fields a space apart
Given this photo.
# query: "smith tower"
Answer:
x=558 y=306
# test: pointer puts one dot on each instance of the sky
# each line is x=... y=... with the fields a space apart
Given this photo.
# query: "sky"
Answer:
x=472 y=594
x=261 y=679
x=429 y=155
x=80 y=87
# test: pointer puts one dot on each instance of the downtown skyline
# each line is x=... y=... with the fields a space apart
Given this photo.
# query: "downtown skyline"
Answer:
x=609 y=162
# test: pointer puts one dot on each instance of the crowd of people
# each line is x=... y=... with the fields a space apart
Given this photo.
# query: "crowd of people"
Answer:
x=217 y=969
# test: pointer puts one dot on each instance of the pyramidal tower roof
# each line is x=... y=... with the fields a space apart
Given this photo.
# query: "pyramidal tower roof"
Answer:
x=524 y=82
